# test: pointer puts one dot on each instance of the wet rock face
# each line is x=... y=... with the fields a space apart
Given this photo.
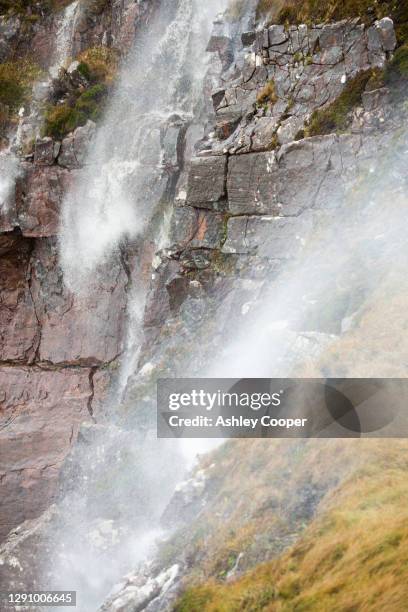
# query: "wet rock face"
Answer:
x=303 y=69
x=41 y=322
x=148 y=589
x=245 y=217
x=41 y=190
x=75 y=146
x=90 y=328
x=41 y=411
x=19 y=328
x=52 y=342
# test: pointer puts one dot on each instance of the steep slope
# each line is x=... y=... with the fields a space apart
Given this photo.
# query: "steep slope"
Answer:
x=57 y=349
x=285 y=253
x=352 y=556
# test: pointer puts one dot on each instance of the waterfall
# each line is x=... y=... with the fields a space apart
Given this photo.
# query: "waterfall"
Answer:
x=127 y=174
x=29 y=126
x=126 y=478
x=9 y=171
x=64 y=38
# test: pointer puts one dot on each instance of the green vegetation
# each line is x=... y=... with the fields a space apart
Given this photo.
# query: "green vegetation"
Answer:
x=353 y=556
x=98 y=68
x=31 y=8
x=336 y=116
x=60 y=120
x=397 y=69
x=99 y=64
x=321 y=11
x=16 y=80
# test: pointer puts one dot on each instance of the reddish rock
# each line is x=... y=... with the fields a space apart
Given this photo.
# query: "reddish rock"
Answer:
x=26 y=553
x=41 y=192
x=46 y=151
x=125 y=25
x=77 y=329
x=40 y=414
x=19 y=329
x=101 y=380
x=42 y=42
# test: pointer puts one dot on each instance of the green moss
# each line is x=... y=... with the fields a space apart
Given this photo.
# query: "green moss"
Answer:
x=336 y=116
x=397 y=69
x=11 y=93
x=274 y=144
x=84 y=69
x=62 y=119
x=98 y=65
x=16 y=80
x=91 y=102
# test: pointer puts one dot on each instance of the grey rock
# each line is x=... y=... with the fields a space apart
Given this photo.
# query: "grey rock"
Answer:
x=75 y=146
x=210 y=230
x=261 y=135
x=284 y=183
x=331 y=36
x=289 y=128
x=46 y=151
x=9 y=27
x=142 y=590
x=271 y=237
x=5 y=50
x=248 y=38
x=183 y=225
x=251 y=184
x=372 y=100
x=277 y=35
x=206 y=181
x=386 y=31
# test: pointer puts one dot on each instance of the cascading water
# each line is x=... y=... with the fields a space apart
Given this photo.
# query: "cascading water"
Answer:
x=29 y=126
x=64 y=38
x=126 y=478
x=127 y=172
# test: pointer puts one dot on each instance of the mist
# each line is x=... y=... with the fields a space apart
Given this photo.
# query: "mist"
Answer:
x=350 y=256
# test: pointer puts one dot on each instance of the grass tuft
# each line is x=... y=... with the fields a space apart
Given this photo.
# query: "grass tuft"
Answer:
x=336 y=116
x=98 y=66
x=353 y=555
x=324 y=11
x=267 y=95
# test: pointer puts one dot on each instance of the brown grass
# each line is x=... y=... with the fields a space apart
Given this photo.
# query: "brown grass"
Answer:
x=354 y=556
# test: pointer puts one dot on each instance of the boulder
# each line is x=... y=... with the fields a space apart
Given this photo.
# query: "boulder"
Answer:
x=387 y=34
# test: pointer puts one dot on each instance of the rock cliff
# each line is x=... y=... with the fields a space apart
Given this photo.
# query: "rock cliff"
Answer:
x=284 y=146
